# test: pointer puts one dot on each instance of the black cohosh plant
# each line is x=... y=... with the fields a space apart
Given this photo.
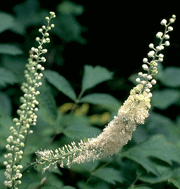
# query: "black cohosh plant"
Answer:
x=27 y=111
x=115 y=135
x=119 y=131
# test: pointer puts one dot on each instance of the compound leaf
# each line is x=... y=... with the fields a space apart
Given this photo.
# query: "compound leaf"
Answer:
x=156 y=147
x=61 y=83
x=94 y=75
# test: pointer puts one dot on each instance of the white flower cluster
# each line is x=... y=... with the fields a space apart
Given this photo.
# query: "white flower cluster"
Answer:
x=64 y=155
x=118 y=132
x=155 y=56
x=27 y=110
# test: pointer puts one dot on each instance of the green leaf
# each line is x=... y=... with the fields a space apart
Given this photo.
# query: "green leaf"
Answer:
x=93 y=185
x=47 y=105
x=69 y=119
x=165 y=98
x=109 y=175
x=158 y=123
x=5 y=123
x=68 y=187
x=49 y=187
x=68 y=28
x=2 y=179
x=171 y=77
x=142 y=187
x=15 y=64
x=164 y=173
x=61 y=83
x=10 y=49
x=33 y=185
x=79 y=131
x=175 y=178
x=83 y=185
x=99 y=98
x=94 y=75
x=27 y=12
x=6 y=21
x=7 y=77
x=68 y=7
x=156 y=147
x=5 y=104
x=85 y=167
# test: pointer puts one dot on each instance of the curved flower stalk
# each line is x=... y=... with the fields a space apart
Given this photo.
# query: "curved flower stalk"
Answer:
x=119 y=131
x=27 y=111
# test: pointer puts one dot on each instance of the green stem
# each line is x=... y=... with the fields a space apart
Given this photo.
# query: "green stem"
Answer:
x=30 y=165
x=76 y=102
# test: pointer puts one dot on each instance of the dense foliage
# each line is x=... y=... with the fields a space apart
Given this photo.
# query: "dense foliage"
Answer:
x=77 y=100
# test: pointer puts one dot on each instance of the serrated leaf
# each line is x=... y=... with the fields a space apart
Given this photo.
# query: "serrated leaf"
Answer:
x=7 y=77
x=94 y=75
x=171 y=77
x=165 y=98
x=99 y=98
x=79 y=131
x=175 y=178
x=158 y=123
x=10 y=49
x=156 y=147
x=61 y=83
x=6 y=21
x=164 y=171
x=109 y=175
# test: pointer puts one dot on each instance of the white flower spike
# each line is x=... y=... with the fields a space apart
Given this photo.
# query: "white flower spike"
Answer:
x=119 y=131
x=27 y=111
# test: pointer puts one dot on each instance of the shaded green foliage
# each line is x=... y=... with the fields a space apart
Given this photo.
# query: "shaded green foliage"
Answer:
x=60 y=83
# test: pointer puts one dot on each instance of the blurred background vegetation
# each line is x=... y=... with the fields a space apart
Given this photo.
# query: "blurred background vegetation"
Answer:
x=91 y=33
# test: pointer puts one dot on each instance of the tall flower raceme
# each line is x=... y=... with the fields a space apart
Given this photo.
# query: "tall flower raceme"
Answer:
x=119 y=131
x=27 y=111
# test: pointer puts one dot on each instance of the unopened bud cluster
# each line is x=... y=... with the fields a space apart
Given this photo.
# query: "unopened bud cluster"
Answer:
x=155 y=56
x=27 y=110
